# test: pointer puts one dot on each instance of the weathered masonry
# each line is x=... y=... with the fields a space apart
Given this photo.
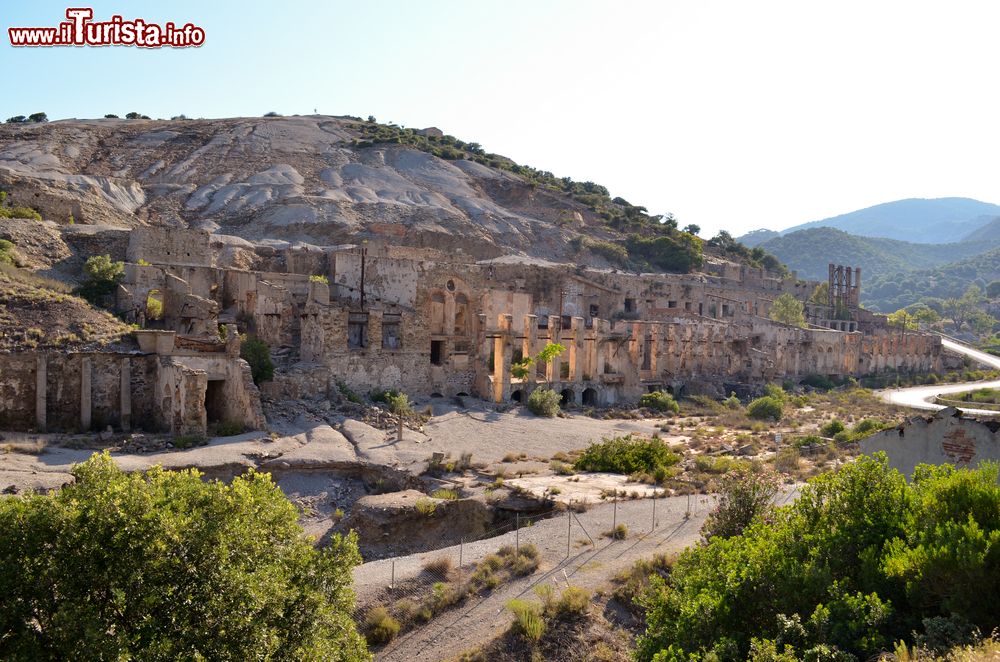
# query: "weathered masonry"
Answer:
x=430 y=323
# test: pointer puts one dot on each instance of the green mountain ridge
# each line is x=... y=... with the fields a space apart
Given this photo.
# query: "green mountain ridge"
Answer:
x=892 y=291
x=809 y=251
x=919 y=220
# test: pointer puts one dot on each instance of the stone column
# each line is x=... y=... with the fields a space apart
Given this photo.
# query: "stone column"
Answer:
x=576 y=351
x=85 y=401
x=41 y=391
x=502 y=355
x=528 y=348
x=126 y=395
x=553 y=368
x=375 y=333
x=449 y=313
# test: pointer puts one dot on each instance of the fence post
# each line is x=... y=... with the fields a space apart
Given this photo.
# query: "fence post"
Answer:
x=392 y=581
x=654 y=510
x=517 y=532
x=614 y=518
x=569 y=527
x=687 y=515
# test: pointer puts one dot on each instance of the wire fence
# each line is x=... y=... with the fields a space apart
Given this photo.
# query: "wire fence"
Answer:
x=409 y=592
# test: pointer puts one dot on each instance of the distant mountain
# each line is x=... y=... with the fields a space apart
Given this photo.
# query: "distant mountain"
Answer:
x=920 y=220
x=810 y=251
x=988 y=232
x=889 y=292
x=757 y=237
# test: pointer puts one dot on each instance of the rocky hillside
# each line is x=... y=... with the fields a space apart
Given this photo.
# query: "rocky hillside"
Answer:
x=320 y=180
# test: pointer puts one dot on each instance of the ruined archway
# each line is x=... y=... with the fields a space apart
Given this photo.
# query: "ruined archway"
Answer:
x=589 y=397
x=517 y=396
x=568 y=397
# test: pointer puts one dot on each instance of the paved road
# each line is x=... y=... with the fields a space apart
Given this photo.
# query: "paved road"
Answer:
x=918 y=397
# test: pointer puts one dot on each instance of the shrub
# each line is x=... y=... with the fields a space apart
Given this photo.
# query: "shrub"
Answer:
x=659 y=401
x=20 y=212
x=775 y=391
x=620 y=532
x=627 y=455
x=866 y=426
x=122 y=565
x=831 y=428
x=573 y=603
x=319 y=279
x=6 y=251
x=764 y=408
x=154 y=307
x=102 y=277
x=255 y=351
x=544 y=402
x=229 y=428
x=445 y=493
x=425 y=507
x=442 y=566
x=744 y=495
x=732 y=402
x=528 y=619
x=852 y=566
x=379 y=627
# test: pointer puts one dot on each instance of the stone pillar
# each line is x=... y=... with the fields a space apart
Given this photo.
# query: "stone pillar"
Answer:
x=528 y=347
x=126 y=395
x=483 y=347
x=502 y=355
x=655 y=332
x=449 y=313
x=41 y=391
x=590 y=354
x=375 y=333
x=85 y=402
x=553 y=368
x=576 y=351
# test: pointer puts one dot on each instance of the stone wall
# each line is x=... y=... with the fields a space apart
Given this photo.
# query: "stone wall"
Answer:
x=945 y=438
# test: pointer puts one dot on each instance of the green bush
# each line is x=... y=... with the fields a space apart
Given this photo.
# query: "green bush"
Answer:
x=831 y=428
x=544 y=402
x=379 y=627
x=732 y=402
x=6 y=252
x=255 y=351
x=775 y=391
x=528 y=619
x=102 y=277
x=118 y=566
x=866 y=427
x=659 y=401
x=764 y=408
x=20 y=212
x=573 y=603
x=860 y=561
x=627 y=455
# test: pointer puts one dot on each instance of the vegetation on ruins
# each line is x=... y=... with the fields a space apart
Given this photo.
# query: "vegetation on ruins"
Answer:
x=399 y=404
x=627 y=455
x=546 y=355
x=544 y=402
x=788 y=310
x=659 y=401
x=255 y=351
x=766 y=407
x=102 y=277
x=861 y=561
x=164 y=565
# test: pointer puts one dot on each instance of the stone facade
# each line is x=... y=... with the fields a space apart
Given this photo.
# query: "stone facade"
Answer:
x=427 y=322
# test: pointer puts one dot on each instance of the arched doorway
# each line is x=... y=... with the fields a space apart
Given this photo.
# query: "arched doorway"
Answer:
x=517 y=396
x=568 y=397
x=589 y=397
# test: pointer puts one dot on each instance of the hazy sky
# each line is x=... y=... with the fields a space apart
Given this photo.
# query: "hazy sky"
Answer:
x=733 y=115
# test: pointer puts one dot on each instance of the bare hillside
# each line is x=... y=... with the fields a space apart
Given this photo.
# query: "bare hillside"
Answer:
x=313 y=179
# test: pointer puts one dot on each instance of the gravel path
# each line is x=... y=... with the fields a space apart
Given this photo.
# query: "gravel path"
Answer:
x=481 y=619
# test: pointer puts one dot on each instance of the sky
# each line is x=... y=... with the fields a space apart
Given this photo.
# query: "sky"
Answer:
x=731 y=115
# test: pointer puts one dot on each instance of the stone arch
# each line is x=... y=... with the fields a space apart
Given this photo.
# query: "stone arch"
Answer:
x=517 y=396
x=568 y=397
x=589 y=397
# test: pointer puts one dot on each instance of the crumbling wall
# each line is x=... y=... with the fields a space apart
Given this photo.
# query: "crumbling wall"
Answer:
x=166 y=245
x=945 y=438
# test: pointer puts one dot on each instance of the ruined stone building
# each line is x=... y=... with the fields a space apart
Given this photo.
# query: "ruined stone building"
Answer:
x=429 y=323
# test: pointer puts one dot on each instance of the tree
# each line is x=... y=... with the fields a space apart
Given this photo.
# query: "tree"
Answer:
x=902 y=319
x=136 y=116
x=821 y=294
x=163 y=565
x=38 y=117
x=744 y=495
x=862 y=559
x=102 y=277
x=924 y=314
x=691 y=228
x=399 y=404
x=111 y=116
x=993 y=290
x=982 y=323
x=960 y=309
x=255 y=351
x=788 y=310
x=17 y=119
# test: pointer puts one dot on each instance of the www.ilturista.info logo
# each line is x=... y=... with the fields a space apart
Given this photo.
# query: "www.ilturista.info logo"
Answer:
x=80 y=30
